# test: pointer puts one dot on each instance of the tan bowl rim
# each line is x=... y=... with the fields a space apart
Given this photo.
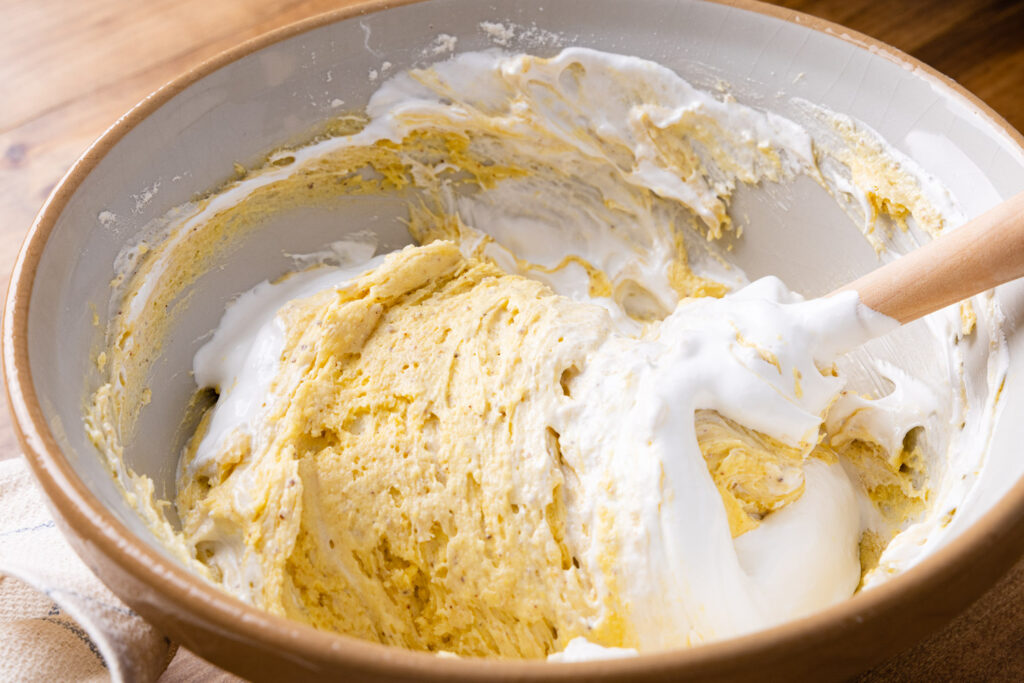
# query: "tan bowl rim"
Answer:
x=1002 y=526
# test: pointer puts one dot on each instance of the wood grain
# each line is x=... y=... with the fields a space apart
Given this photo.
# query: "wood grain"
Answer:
x=69 y=69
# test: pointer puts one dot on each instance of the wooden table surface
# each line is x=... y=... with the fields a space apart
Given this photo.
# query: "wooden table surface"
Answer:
x=68 y=69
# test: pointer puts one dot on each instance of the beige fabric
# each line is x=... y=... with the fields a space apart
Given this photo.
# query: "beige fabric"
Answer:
x=188 y=667
x=57 y=621
x=28 y=617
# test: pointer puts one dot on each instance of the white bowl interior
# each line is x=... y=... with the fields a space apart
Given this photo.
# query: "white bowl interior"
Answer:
x=241 y=111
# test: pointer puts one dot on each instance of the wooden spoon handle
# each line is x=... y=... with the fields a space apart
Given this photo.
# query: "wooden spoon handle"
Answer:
x=985 y=252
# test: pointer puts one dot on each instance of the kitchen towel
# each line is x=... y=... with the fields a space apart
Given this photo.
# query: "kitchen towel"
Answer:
x=57 y=621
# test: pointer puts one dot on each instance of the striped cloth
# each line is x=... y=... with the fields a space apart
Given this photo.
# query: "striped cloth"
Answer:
x=57 y=621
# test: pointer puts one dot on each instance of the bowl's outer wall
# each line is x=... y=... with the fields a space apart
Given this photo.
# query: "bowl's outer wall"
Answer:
x=236 y=113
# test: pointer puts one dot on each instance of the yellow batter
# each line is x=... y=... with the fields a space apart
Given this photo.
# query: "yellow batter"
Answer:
x=392 y=463
x=404 y=420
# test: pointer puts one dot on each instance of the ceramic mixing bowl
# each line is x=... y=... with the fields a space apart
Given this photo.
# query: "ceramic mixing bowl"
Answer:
x=185 y=138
